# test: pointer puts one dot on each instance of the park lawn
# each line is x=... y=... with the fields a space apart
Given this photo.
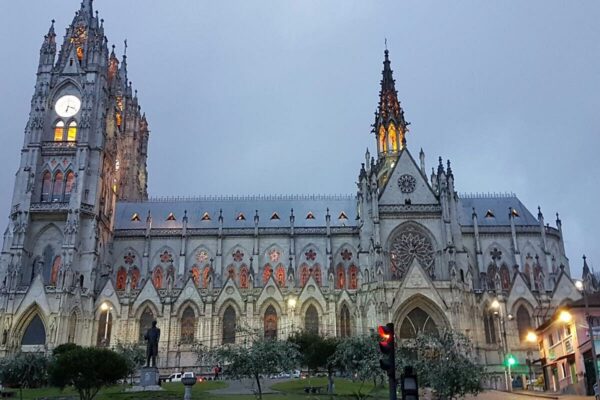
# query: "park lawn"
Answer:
x=171 y=391
x=344 y=388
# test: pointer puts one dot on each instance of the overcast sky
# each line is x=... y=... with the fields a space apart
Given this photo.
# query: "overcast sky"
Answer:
x=250 y=97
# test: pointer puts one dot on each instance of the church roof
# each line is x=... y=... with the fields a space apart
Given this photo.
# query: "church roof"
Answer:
x=493 y=210
x=238 y=212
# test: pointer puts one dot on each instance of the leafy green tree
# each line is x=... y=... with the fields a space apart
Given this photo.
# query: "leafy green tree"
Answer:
x=88 y=369
x=359 y=356
x=63 y=348
x=134 y=354
x=258 y=358
x=445 y=363
x=317 y=353
x=24 y=370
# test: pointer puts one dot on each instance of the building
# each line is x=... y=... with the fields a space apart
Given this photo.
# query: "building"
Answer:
x=566 y=348
x=88 y=258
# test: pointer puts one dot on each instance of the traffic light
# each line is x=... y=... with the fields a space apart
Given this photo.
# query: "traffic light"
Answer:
x=387 y=347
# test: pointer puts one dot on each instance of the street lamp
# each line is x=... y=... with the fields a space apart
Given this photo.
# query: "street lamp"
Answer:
x=507 y=362
x=292 y=307
x=107 y=308
x=531 y=337
x=582 y=288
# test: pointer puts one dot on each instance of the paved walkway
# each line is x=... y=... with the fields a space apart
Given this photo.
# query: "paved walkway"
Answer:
x=247 y=386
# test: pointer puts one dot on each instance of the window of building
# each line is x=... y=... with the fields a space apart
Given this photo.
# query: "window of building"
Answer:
x=135 y=278
x=311 y=320
x=267 y=272
x=69 y=182
x=72 y=131
x=145 y=322
x=35 y=333
x=270 y=323
x=523 y=322
x=229 y=325
x=353 y=281
x=340 y=274
x=304 y=274
x=417 y=321
x=55 y=269
x=316 y=271
x=490 y=328
x=280 y=275
x=157 y=277
x=57 y=189
x=72 y=328
x=345 y=321
x=121 y=278
x=59 y=130
x=104 y=329
x=243 y=277
x=195 y=272
x=46 y=186
x=188 y=325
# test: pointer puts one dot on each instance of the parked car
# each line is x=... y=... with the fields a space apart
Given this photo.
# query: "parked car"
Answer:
x=176 y=377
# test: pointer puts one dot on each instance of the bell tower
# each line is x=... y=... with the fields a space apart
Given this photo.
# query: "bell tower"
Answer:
x=85 y=147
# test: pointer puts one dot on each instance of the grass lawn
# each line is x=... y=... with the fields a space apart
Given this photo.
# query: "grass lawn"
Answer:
x=344 y=389
x=172 y=391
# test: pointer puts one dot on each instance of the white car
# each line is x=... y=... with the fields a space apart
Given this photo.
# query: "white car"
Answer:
x=176 y=377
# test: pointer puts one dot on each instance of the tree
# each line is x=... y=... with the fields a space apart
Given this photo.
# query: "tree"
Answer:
x=257 y=359
x=24 y=370
x=445 y=363
x=134 y=355
x=63 y=348
x=316 y=353
x=88 y=370
x=359 y=356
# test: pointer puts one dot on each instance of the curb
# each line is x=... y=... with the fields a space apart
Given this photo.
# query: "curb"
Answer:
x=536 y=394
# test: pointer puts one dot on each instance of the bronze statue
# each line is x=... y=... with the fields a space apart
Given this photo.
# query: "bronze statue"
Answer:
x=152 y=336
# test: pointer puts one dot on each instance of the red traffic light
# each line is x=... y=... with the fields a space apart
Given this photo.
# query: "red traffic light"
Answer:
x=386 y=334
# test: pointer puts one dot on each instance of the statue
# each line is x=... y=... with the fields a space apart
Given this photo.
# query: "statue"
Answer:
x=152 y=336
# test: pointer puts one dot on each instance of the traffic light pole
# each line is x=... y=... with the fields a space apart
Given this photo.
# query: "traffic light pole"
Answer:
x=392 y=385
x=387 y=346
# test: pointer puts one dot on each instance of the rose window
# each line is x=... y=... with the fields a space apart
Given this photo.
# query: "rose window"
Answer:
x=407 y=246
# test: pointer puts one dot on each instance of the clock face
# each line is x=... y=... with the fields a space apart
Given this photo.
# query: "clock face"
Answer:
x=67 y=106
x=407 y=183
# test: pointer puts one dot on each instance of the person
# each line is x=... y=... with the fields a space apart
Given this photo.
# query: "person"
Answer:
x=152 y=336
x=216 y=372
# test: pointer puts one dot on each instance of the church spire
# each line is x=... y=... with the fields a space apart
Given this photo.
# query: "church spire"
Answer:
x=390 y=127
x=48 y=50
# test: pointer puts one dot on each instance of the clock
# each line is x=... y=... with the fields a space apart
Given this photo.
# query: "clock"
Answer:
x=407 y=183
x=67 y=106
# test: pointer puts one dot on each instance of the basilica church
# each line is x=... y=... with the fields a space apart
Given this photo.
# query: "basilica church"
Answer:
x=89 y=258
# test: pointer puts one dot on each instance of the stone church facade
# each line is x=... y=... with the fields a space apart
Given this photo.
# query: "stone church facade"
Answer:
x=88 y=258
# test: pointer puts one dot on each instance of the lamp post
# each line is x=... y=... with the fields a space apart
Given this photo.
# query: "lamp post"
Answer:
x=582 y=288
x=505 y=349
x=292 y=307
x=107 y=308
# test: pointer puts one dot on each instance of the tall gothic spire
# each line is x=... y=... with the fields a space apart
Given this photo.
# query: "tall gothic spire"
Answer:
x=390 y=127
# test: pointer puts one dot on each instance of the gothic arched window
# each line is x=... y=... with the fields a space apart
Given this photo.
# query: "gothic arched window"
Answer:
x=104 y=329
x=72 y=131
x=523 y=322
x=205 y=277
x=489 y=325
x=69 y=182
x=340 y=274
x=59 y=130
x=229 y=325
x=311 y=320
x=353 y=279
x=46 y=186
x=54 y=270
x=382 y=141
x=121 y=278
x=393 y=136
x=231 y=272
x=145 y=322
x=280 y=275
x=244 y=277
x=157 y=277
x=195 y=272
x=188 y=325
x=304 y=274
x=316 y=271
x=48 y=257
x=408 y=245
x=72 y=328
x=504 y=277
x=270 y=323
x=135 y=278
x=417 y=321
x=267 y=272
x=35 y=333
x=57 y=189
x=345 y=321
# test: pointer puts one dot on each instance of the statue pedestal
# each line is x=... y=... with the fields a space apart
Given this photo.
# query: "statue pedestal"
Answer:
x=149 y=376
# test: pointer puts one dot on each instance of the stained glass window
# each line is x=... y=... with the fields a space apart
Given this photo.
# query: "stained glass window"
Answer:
x=316 y=271
x=353 y=281
x=135 y=278
x=417 y=321
x=267 y=272
x=344 y=321
x=157 y=277
x=72 y=131
x=304 y=274
x=35 y=333
x=229 y=325
x=121 y=278
x=59 y=130
x=270 y=323
x=188 y=325
x=341 y=277
x=196 y=275
x=244 y=277
x=70 y=181
x=55 y=269
x=280 y=275
x=57 y=190
x=311 y=320
x=72 y=329
x=46 y=186
x=489 y=327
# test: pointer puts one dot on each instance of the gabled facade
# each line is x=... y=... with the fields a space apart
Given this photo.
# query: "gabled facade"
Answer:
x=93 y=260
